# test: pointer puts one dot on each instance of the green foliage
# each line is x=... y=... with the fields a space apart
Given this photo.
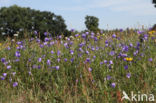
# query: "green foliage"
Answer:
x=17 y=19
x=92 y=23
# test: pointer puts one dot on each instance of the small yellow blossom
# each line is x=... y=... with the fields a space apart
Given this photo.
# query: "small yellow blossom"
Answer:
x=129 y=59
x=0 y=44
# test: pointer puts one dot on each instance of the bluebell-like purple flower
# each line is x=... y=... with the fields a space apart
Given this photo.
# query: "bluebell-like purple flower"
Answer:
x=15 y=84
x=58 y=59
x=9 y=67
x=89 y=69
x=128 y=75
x=17 y=54
x=2 y=78
x=48 y=62
x=39 y=59
x=71 y=52
x=110 y=62
x=65 y=59
x=126 y=67
x=113 y=85
x=108 y=77
x=58 y=53
x=112 y=53
x=150 y=59
x=105 y=61
x=57 y=67
x=35 y=32
x=114 y=36
x=87 y=59
x=83 y=35
x=3 y=60
x=4 y=74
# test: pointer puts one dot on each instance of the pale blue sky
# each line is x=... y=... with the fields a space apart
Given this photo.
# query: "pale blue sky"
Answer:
x=111 y=13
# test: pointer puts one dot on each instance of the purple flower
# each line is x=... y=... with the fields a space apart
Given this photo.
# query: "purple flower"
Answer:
x=2 y=78
x=112 y=53
x=13 y=73
x=71 y=52
x=52 y=52
x=114 y=36
x=108 y=77
x=17 y=54
x=72 y=59
x=9 y=66
x=76 y=35
x=39 y=59
x=65 y=59
x=89 y=69
x=45 y=33
x=58 y=59
x=87 y=52
x=48 y=62
x=128 y=75
x=57 y=67
x=121 y=30
x=110 y=62
x=3 y=60
x=105 y=61
x=83 y=35
x=4 y=74
x=150 y=59
x=126 y=67
x=58 y=53
x=113 y=85
x=15 y=84
x=35 y=32
x=88 y=60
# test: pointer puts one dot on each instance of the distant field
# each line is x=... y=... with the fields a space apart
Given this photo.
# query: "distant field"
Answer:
x=82 y=68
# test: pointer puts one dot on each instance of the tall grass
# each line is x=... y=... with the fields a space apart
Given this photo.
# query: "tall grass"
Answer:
x=84 y=68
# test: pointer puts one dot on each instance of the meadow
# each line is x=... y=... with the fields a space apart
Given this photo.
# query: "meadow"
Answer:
x=83 y=68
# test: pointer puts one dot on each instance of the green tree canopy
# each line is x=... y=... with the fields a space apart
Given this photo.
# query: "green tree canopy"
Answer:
x=91 y=23
x=17 y=19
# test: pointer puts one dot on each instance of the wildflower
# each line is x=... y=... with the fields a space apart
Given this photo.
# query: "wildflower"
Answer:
x=110 y=62
x=150 y=59
x=57 y=67
x=58 y=59
x=114 y=36
x=48 y=62
x=65 y=59
x=4 y=74
x=113 y=85
x=71 y=52
x=128 y=75
x=0 y=44
x=105 y=61
x=9 y=66
x=17 y=54
x=126 y=67
x=13 y=73
x=15 y=84
x=39 y=59
x=112 y=53
x=128 y=59
x=108 y=77
x=89 y=69
x=2 y=78
x=88 y=60
x=58 y=53
x=3 y=60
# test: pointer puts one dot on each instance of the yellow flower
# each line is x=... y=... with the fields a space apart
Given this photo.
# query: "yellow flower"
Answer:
x=129 y=59
x=152 y=32
x=0 y=44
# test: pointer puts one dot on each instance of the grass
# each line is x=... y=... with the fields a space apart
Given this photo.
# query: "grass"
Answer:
x=76 y=71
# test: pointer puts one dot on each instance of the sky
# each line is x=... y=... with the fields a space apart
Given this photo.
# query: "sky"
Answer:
x=112 y=14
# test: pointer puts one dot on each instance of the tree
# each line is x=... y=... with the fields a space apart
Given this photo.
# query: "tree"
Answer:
x=154 y=2
x=92 y=23
x=17 y=19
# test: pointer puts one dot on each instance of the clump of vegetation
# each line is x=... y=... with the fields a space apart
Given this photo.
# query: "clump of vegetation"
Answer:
x=88 y=67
